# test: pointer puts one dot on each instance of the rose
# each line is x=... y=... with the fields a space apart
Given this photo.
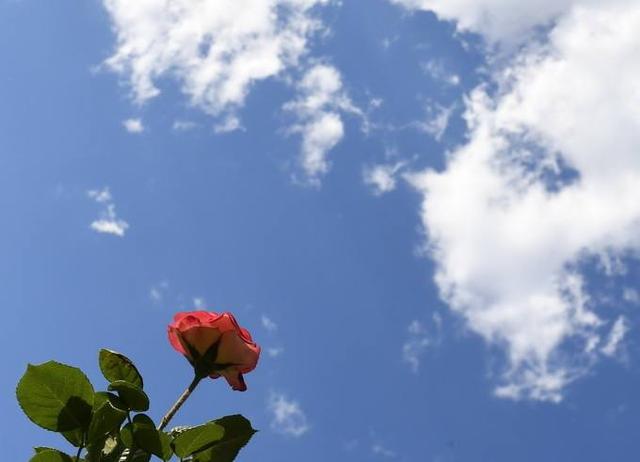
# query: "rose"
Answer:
x=215 y=345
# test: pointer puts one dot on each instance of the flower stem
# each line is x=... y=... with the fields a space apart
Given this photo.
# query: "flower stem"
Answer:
x=183 y=397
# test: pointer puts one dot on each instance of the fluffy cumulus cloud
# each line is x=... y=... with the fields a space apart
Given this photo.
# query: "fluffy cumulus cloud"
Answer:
x=382 y=178
x=108 y=221
x=215 y=49
x=288 y=418
x=318 y=107
x=550 y=176
x=133 y=125
x=503 y=21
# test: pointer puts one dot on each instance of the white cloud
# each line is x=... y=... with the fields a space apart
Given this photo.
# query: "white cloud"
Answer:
x=436 y=121
x=413 y=349
x=288 y=417
x=268 y=323
x=158 y=291
x=274 y=352
x=155 y=295
x=199 y=303
x=382 y=177
x=616 y=335
x=379 y=450
x=508 y=222
x=387 y=42
x=317 y=108
x=630 y=295
x=419 y=339
x=230 y=123
x=438 y=72
x=500 y=20
x=270 y=326
x=101 y=196
x=215 y=50
x=133 y=125
x=183 y=125
x=108 y=221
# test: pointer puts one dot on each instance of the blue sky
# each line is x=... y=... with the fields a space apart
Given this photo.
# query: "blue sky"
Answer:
x=426 y=213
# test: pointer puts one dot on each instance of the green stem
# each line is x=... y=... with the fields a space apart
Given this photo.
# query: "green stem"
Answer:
x=183 y=397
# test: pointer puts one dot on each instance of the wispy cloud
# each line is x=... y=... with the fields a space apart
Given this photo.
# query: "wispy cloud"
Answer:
x=438 y=72
x=230 y=124
x=158 y=291
x=616 y=335
x=436 y=120
x=101 y=196
x=272 y=328
x=268 y=323
x=288 y=418
x=108 y=221
x=419 y=339
x=378 y=449
x=274 y=352
x=183 y=125
x=631 y=295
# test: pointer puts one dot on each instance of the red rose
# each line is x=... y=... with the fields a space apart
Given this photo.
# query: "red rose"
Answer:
x=215 y=345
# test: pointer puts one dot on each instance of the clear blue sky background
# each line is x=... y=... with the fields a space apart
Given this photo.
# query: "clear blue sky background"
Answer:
x=217 y=216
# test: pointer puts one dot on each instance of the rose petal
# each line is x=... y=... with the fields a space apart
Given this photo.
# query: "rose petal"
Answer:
x=174 y=340
x=234 y=350
x=198 y=331
x=201 y=338
x=235 y=379
x=246 y=336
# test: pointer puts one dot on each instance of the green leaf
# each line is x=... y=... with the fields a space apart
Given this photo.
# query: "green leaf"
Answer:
x=143 y=434
x=196 y=438
x=116 y=366
x=165 y=450
x=126 y=435
x=75 y=437
x=38 y=449
x=141 y=456
x=133 y=397
x=106 y=418
x=55 y=396
x=51 y=455
x=150 y=439
x=237 y=433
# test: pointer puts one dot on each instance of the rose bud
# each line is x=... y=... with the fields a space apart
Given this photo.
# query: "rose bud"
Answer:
x=215 y=345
